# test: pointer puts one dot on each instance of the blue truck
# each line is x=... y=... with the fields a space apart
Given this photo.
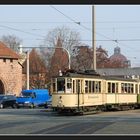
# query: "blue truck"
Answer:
x=34 y=98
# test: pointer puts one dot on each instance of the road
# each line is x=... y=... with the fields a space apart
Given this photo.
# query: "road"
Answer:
x=42 y=121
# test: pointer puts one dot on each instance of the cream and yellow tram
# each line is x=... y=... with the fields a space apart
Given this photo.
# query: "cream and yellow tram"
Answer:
x=75 y=92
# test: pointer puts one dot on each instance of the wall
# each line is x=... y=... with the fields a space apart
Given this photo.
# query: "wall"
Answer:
x=11 y=76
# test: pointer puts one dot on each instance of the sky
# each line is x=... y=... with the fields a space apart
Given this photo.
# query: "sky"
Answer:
x=115 y=25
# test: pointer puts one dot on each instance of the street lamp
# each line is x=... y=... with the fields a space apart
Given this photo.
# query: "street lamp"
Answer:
x=67 y=54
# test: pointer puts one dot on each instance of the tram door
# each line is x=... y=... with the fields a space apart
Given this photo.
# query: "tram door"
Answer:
x=79 y=89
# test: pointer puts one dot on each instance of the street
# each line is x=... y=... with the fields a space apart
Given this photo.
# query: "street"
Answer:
x=43 y=121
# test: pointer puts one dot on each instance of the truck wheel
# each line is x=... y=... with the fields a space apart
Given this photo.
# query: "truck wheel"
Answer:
x=14 y=106
x=32 y=106
x=1 y=106
x=18 y=106
x=46 y=105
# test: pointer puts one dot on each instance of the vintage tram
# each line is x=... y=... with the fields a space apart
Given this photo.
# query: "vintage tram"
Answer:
x=79 y=92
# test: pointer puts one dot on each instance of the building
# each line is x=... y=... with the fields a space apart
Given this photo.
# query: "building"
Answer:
x=119 y=59
x=10 y=71
x=133 y=73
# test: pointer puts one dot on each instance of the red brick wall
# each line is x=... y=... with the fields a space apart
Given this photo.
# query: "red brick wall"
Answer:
x=11 y=76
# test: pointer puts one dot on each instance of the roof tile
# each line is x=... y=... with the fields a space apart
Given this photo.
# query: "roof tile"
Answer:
x=6 y=52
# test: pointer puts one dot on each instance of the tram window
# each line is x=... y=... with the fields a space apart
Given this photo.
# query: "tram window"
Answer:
x=125 y=88
x=98 y=86
x=53 y=85
x=132 y=88
x=93 y=89
x=116 y=87
x=69 y=86
x=61 y=85
x=128 y=90
x=109 y=87
x=73 y=86
x=86 y=86
x=136 y=88
x=78 y=86
x=90 y=87
x=113 y=87
x=122 y=88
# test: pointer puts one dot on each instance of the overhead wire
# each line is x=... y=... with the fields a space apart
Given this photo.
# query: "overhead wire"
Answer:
x=11 y=28
x=78 y=23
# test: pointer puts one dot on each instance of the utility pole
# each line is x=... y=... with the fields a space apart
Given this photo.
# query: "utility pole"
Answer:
x=27 y=56
x=93 y=66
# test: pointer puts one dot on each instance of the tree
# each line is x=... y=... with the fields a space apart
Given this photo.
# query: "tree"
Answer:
x=59 y=60
x=38 y=70
x=12 y=42
x=83 y=58
x=69 y=39
x=102 y=57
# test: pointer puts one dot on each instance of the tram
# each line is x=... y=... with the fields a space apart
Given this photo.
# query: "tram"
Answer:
x=79 y=92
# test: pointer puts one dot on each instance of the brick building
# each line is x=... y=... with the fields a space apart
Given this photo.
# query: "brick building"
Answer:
x=10 y=71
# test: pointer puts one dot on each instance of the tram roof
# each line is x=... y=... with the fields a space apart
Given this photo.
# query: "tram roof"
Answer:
x=79 y=75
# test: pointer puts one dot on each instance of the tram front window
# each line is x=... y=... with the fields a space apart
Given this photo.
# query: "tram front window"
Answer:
x=61 y=85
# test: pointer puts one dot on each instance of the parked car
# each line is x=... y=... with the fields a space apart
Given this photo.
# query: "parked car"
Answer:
x=7 y=101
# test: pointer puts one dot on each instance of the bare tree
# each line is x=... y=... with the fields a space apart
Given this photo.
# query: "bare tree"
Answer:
x=102 y=57
x=69 y=39
x=12 y=42
x=83 y=58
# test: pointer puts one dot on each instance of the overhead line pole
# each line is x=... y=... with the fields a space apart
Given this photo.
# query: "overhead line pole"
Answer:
x=27 y=70
x=93 y=38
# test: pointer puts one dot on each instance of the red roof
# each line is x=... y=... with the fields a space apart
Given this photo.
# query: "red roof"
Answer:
x=6 y=52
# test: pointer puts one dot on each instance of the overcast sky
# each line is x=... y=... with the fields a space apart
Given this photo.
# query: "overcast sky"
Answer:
x=31 y=23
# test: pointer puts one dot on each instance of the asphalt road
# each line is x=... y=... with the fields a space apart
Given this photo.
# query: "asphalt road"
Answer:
x=45 y=122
